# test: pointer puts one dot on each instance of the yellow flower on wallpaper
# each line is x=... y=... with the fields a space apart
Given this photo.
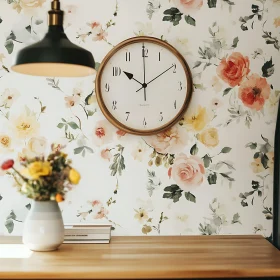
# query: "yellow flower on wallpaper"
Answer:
x=37 y=169
x=25 y=125
x=209 y=137
x=74 y=176
x=277 y=22
x=5 y=143
x=141 y=215
x=27 y=4
x=257 y=166
x=196 y=118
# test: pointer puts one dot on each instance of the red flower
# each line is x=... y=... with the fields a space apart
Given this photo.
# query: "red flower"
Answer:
x=7 y=164
x=234 y=69
x=254 y=91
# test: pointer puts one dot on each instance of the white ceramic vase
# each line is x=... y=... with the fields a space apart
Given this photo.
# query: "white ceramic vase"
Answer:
x=43 y=228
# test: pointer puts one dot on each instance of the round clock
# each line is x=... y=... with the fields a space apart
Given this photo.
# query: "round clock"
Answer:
x=143 y=86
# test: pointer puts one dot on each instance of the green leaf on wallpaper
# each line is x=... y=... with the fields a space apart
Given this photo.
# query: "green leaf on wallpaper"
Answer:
x=235 y=42
x=268 y=68
x=197 y=64
x=244 y=203
x=28 y=206
x=78 y=150
x=225 y=150
x=236 y=219
x=1 y=20
x=73 y=125
x=9 y=224
x=173 y=192
x=207 y=160
x=190 y=20
x=9 y=45
x=194 y=150
x=12 y=215
x=226 y=176
x=190 y=197
x=252 y=145
x=97 y=65
x=256 y=155
x=28 y=28
x=264 y=160
x=60 y=125
x=1 y=197
x=255 y=185
x=212 y=178
x=226 y=91
x=199 y=86
x=212 y=3
x=264 y=139
x=10 y=1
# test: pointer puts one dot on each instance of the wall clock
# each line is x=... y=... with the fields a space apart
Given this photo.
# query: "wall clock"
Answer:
x=143 y=86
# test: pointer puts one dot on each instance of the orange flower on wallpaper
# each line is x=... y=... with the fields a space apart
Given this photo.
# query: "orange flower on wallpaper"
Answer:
x=234 y=69
x=185 y=6
x=188 y=172
x=254 y=92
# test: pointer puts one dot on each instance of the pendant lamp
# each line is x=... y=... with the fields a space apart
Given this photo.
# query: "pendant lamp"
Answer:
x=55 y=55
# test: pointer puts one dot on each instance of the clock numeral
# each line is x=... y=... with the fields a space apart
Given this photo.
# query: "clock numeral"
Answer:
x=117 y=71
x=175 y=104
x=144 y=51
x=175 y=67
x=127 y=56
x=161 y=117
x=144 y=122
x=159 y=56
x=114 y=105
x=180 y=86
x=107 y=87
x=127 y=115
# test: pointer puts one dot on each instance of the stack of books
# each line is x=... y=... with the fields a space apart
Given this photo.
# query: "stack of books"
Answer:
x=87 y=233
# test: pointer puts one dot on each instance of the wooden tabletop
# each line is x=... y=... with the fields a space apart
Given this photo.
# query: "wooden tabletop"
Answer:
x=144 y=258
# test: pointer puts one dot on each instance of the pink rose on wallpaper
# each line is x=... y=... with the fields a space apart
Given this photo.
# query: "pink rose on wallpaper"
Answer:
x=254 y=92
x=102 y=133
x=98 y=210
x=106 y=154
x=188 y=172
x=171 y=141
x=186 y=6
x=234 y=69
x=120 y=133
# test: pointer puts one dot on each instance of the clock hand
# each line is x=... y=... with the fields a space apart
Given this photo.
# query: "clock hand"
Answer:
x=145 y=85
x=144 y=67
x=130 y=77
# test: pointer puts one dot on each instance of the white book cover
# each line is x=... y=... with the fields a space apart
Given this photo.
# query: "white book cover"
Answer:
x=87 y=236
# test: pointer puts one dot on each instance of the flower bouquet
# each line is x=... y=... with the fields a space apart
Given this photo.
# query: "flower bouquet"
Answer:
x=46 y=180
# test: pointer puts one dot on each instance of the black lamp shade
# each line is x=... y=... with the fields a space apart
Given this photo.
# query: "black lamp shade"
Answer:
x=54 y=56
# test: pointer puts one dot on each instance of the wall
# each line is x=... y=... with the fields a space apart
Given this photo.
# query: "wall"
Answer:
x=232 y=47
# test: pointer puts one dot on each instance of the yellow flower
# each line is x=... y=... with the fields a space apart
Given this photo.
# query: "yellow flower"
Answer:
x=141 y=215
x=277 y=22
x=196 y=119
x=209 y=137
x=59 y=197
x=37 y=169
x=257 y=166
x=74 y=176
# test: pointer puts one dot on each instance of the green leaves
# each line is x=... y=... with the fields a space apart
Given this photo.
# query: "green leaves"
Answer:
x=97 y=65
x=118 y=164
x=212 y=3
x=268 y=213
x=194 y=150
x=189 y=20
x=226 y=91
x=225 y=150
x=212 y=178
x=73 y=125
x=235 y=42
x=252 y=145
x=82 y=150
x=236 y=219
x=9 y=45
x=268 y=69
x=207 y=160
x=175 y=193
x=190 y=197
x=173 y=15
x=9 y=223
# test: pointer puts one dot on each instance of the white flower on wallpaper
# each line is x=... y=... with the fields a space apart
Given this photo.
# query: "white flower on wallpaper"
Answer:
x=212 y=173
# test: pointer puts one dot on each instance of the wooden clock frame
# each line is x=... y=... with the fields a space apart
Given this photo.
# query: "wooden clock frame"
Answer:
x=101 y=102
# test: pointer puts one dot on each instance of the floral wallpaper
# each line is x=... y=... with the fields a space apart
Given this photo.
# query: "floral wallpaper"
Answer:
x=212 y=173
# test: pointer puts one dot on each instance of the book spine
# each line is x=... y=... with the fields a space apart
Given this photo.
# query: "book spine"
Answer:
x=86 y=236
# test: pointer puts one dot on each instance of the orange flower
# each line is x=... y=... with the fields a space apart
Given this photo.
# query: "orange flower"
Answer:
x=277 y=22
x=234 y=69
x=59 y=197
x=254 y=91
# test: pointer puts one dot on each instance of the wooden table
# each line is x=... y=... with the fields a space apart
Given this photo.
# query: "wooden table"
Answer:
x=144 y=258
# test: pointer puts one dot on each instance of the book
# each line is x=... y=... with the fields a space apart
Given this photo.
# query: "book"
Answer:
x=94 y=241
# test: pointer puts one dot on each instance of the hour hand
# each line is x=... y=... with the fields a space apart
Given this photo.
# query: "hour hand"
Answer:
x=130 y=77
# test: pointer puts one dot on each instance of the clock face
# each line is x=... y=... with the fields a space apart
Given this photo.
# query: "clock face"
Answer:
x=143 y=86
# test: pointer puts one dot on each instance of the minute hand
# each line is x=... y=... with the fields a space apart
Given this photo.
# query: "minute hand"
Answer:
x=157 y=77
